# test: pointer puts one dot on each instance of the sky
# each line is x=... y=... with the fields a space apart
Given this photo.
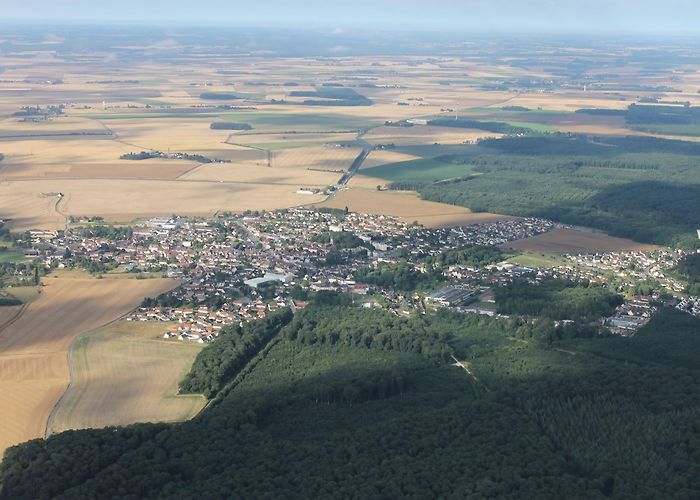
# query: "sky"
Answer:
x=541 y=16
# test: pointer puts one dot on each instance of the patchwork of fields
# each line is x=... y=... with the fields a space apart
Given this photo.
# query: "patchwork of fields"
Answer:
x=237 y=131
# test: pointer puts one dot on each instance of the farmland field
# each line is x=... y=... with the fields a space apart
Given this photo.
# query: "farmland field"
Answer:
x=149 y=103
x=126 y=373
x=407 y=206
x=7 y=314
x=29 y=203
x=403 y=136
x=33 y=364
x=576 y=241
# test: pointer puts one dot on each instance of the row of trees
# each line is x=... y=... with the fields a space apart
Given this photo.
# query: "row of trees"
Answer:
x=221 y=360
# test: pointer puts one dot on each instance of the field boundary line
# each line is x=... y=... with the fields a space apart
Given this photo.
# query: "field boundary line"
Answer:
x=71 y=369
x=71 y=374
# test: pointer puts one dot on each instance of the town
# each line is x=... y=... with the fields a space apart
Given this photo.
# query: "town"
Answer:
x=235 y=268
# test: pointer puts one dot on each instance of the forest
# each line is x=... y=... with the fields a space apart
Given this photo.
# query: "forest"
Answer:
x=219 y=362
x=343 y=404
x=689 y=268
x=556 y=299
x=218 y=96
x=489 y=126
x=474 y=255
x=673 y=118
x=332 y=96
x=399 y=277
x=230 y=126
x=642 y=188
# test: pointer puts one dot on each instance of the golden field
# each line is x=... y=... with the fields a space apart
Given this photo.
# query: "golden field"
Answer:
x=34 y=369
x=408 y=207
x=126 y=373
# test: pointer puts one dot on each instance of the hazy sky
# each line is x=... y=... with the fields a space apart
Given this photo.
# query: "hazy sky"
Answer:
x=612 y=16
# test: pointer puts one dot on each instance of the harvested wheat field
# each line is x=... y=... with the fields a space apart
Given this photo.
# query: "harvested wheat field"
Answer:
x=384 y=157
x=33 y=349
x=8 y=314
x=26 y=208
x=409 y=207
x=126 y=373
x=322 y=158
x=576 y=241
x=289 y=140
x=88 y=158
x=60 y=127
x=233 y=172
x=25 y=202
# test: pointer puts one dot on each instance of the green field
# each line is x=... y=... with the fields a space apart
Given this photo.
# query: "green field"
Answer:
x=422 y=170
x=537 y=260
x=690 y=130
x=11 y=257
x=24 y=293
x=542 y=128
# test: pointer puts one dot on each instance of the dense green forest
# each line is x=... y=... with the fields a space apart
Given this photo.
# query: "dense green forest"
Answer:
x=400 y=277
x=689 y=268
x=109 y=232
x=643 y=188
x=341 y=239
x=332 y=96
x=556 y=299
x=221 y=361
x=474 y=255
x=345 y=404
x=230 y=126
x=218 y=96
x=489 y=126
x=679 y=119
